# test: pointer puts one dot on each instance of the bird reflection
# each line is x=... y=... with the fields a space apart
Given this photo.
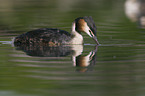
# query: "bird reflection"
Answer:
x=82 y=62
x=45 y=51
x=135 y=11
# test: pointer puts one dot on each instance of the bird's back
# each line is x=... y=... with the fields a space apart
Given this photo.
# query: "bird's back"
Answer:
x=43 y=36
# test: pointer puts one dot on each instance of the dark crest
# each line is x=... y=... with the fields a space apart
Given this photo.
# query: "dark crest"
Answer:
x=90 y=23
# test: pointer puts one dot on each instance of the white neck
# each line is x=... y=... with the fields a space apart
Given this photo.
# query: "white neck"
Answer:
x=76 y=37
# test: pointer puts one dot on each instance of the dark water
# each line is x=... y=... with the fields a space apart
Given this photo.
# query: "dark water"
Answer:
x=115 y=68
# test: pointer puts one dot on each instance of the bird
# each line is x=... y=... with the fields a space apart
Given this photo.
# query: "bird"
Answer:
x=54 y=36
x=135 y=11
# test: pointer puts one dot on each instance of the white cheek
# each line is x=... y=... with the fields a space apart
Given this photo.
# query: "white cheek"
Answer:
x=86 y=29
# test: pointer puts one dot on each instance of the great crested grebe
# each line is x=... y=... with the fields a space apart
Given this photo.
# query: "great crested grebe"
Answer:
x=50 y=36
x=135 y=11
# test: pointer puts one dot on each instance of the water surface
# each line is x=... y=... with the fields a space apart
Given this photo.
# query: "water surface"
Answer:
x=115 y=68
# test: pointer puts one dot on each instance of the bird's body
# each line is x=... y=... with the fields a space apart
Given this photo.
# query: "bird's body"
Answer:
x=135 y=11
x=51 y=36
x=44 y=36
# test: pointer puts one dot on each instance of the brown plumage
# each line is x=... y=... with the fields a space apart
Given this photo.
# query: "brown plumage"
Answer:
x=51 y=36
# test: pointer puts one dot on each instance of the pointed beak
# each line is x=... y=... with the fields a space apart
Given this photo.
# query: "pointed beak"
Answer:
x=94 y=37
x=96 y=40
